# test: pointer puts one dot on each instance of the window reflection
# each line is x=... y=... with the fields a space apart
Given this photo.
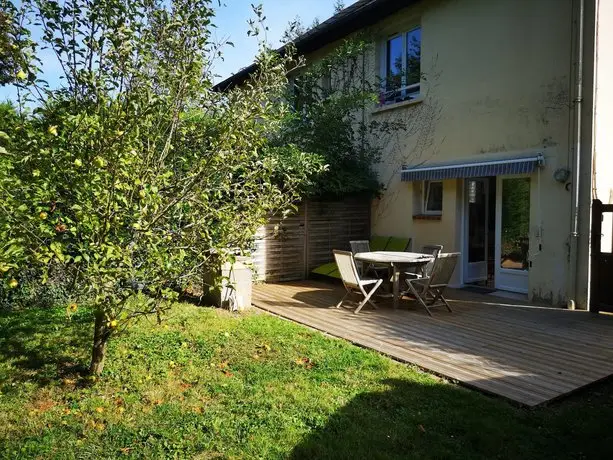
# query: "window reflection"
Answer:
x=515 y=231
x=402 y=73
x=413 y=57
x=394 y=68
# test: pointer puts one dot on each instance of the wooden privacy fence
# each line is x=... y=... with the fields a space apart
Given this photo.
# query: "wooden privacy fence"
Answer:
x=288 y=249
x=602 y=257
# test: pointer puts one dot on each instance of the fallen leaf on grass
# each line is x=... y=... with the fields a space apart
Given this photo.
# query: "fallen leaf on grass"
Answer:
x=306 y=362
x=44 y=404
x=227 y=373
x=421 y=428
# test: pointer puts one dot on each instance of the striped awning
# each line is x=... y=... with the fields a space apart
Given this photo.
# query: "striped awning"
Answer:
x=517 y=165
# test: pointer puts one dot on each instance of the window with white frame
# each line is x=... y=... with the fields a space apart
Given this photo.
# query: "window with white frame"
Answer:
x=433 y=197
x=401 y=67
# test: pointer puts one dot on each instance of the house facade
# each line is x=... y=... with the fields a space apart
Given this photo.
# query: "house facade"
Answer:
x=507 y=125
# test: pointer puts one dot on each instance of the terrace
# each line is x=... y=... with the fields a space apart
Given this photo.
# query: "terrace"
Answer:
x=525 y=353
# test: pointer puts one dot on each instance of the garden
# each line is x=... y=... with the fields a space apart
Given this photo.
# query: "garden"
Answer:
x=208 y=383
x=127 y=185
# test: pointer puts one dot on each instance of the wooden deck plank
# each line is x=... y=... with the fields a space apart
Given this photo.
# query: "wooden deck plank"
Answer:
x=534 y=339
x=583 y=362
x=482 y=368
x=488 y=383
x=529 y=355
x=480 y=378
x=474 y=343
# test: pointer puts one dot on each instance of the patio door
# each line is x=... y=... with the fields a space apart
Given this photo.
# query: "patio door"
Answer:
x=477 y=217
x=512 y=233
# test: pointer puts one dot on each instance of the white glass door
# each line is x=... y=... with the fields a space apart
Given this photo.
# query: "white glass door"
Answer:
x=512 y=233
x=476 y=230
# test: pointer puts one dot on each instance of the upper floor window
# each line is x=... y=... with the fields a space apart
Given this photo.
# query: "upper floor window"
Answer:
x=401 y=71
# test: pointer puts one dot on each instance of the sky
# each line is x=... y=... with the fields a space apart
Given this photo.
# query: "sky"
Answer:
x=231 y=21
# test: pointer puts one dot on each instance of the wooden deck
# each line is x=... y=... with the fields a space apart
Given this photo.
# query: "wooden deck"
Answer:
x=524 y=353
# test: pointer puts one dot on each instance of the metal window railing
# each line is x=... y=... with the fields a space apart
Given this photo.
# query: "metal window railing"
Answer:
x=402 y=93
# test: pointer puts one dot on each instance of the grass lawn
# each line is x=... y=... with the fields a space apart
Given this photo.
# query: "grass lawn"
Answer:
x=210 y=384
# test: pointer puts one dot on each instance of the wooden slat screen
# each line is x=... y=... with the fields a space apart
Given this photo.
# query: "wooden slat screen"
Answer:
x=289 y=249
x=331 y=225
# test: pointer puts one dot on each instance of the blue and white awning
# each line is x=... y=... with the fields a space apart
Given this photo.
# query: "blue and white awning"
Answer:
x=517 y=165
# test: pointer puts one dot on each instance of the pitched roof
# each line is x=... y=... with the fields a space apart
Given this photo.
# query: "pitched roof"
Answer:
x=361 y=14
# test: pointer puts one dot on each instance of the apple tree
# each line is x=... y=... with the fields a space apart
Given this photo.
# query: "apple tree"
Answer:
x=132 y=175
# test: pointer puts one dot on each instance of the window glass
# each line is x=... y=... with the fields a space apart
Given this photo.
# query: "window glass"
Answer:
x=515 y=231
x=393 y=79
x=477 y=220
x=434 y=197
x=413 y=70
x=402 y=73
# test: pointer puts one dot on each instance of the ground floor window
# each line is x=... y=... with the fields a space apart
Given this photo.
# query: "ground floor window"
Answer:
x=433 y=197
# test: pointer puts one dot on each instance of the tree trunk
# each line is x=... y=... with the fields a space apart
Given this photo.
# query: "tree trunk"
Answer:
x=101 y=338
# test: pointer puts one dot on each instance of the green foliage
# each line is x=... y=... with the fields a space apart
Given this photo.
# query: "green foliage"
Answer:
x=31 y=293
x=331 y=100
x=15 y=45
x=135 y=175
x=209 y=384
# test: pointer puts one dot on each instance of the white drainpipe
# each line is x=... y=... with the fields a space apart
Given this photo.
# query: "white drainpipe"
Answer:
x=576 y=204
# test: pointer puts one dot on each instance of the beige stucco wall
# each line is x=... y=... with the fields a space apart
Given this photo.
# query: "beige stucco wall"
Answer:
x=497 y=83
x=603 y=119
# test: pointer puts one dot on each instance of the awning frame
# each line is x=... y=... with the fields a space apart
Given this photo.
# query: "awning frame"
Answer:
x=414 y=174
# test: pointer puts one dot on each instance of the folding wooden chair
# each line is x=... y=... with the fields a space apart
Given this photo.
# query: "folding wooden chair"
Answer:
x=380 y=271
x=359 y=246
x=428 y=290
x=352 y=280
x=425 y=270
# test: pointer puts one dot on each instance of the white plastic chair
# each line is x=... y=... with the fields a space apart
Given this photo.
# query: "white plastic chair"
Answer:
x=428 y=290
x=352 y=280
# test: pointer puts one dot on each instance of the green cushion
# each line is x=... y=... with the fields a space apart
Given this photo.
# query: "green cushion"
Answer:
x=378 y=243
x=335 y=274
x=326 y=269
x=397 y=244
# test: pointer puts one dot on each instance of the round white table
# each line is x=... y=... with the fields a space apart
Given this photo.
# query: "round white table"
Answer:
x=397 y=260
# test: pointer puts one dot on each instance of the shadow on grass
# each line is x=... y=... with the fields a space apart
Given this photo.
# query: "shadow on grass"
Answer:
x=415 y=420
x=40 y=347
